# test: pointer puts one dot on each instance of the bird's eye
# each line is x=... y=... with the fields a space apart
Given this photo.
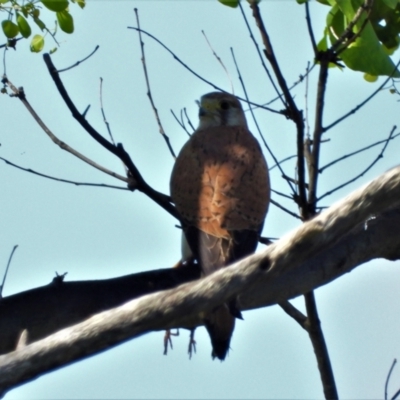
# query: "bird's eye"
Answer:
x=224 y=105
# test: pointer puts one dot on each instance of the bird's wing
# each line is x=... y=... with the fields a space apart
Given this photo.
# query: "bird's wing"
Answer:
x=220 y=181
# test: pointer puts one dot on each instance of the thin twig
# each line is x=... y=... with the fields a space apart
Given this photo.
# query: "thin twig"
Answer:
x=321 y=351
x=396 y=395
x=306 y=104
x=276 y=204
x=362 y=104
x=255 y=120
x=310 y=29
x=195 y=73
x=149 y=95
x=79 y=62
x=282 y=161
x=220 y=61
x=188 y=119
x=380 y=155
x=279 y=94
x=295 y=181
x=4 y=62
x=388 y=378
x=106 y=123
x=282 y=194
x=20 y=94
x=297 y=315
x=6 y=272
x=60 y=179
x=104 y=114
x=180 y=122
x=357 y=152
x=300 y=80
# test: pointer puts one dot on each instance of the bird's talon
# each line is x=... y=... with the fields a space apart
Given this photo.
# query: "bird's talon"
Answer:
x=192 y=344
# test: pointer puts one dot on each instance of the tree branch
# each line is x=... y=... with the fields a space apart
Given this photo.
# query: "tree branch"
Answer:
x=292 y=111
x=149 y=95
x=136 y=180
x=320 y=349
x=319 y=251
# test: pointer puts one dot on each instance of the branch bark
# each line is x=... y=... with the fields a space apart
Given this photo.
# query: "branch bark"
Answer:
x=319 y=251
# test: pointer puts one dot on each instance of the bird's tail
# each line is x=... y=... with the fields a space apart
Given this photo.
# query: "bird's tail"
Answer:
x=220 y=324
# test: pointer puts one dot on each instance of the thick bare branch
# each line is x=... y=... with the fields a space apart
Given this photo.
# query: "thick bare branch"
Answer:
x=321 y=250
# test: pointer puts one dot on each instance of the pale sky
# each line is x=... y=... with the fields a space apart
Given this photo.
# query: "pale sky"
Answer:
x=95 y=233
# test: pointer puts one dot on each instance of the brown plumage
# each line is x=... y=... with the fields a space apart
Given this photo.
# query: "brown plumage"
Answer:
x=220 y=186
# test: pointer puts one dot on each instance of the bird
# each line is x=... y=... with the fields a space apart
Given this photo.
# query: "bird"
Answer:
x=220 y=187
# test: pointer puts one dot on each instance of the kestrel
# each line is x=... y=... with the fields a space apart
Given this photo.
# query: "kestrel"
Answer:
x=220 y=186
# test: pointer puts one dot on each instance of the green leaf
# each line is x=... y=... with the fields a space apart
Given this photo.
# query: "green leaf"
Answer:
x=301 y=1
x=81 y=3
x=37 y=43
x=24 y=11
x=9 y=28
x=391 y=3
x=4 y=1
x=366 y=54
x=370 y=78
x=56 y=5
x=230 y=3
x=23 y=26
x=39 y=23
x=53 y=50
x=65 y=21
x=323 y=43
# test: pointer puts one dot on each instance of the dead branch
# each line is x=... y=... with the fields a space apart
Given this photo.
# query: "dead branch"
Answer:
x=20 y=94
x=388 y=378
x=103 y=113
x=364 y=102
x=291 y=111
x=319 y=251
x=194 y=72
x=256 y=122
x=31 y=171
x=45 y=310
x=149 y=95
x=6 y=271
x=80 y=61
x=218 y=58
x=391 y=137
x=136 y=180
x=363 y=172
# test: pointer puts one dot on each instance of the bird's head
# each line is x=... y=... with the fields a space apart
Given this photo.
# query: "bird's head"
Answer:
x=220 y=109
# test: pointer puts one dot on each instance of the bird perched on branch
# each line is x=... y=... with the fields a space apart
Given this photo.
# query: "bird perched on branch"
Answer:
x=220 y=186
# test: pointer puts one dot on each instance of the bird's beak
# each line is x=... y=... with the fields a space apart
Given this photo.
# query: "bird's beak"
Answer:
x=207 y=108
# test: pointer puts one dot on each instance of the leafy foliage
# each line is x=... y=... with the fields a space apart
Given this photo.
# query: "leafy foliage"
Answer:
x=378 y=35
x=24 y=14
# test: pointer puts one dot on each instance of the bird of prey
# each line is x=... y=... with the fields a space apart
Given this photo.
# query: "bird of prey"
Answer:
x=220 y=187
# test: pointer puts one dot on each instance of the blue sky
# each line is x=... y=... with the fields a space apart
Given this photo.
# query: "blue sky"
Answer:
x=95 y=233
